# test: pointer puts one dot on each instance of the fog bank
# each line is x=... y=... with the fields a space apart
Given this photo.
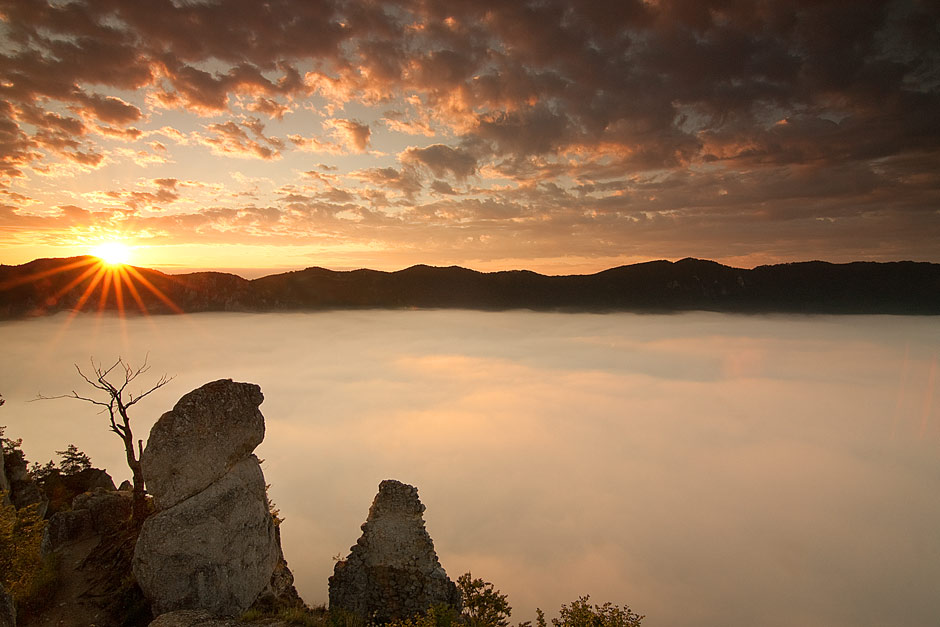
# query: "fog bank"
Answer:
x=706 y=469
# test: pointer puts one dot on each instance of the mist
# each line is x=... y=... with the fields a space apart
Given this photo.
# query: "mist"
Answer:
x=705 y=469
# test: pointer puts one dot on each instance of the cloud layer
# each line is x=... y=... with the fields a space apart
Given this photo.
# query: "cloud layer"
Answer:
x=477 y=131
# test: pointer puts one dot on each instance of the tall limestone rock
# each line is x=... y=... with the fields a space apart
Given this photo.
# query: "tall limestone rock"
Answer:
x=392 y=571
x=212 y=544
x=207 y=433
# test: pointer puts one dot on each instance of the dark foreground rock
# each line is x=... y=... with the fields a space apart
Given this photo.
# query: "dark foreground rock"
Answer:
x=212 y=544
x=23 y=491
x=99 y=512
x=61 y=489
x=94 y=584
x=392 y=571
x=7 y=611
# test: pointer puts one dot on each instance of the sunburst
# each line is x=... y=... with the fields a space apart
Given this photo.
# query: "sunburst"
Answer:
x=106 y=278
x=113 y=253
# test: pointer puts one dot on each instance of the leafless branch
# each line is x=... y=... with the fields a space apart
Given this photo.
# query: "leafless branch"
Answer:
x=117 y=406
x=43 y=397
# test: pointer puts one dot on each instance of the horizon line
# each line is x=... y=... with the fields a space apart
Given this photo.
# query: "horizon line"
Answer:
x=274 y=271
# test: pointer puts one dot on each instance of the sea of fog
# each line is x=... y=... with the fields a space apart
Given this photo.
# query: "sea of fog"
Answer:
x=705 y=469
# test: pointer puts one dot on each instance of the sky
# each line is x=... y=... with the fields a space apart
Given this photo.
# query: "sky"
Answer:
x=561 y=137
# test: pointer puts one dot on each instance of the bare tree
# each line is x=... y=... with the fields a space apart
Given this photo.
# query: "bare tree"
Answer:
x=117 y=401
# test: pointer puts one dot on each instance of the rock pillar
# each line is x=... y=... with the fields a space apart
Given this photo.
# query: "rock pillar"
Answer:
x=392 y=571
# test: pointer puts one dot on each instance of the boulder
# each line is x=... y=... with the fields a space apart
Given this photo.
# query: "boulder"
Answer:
x=214 y=551
x=392 y=572
x=110 y=509
x=65 y=527
x=7 y=609
x=207 y=433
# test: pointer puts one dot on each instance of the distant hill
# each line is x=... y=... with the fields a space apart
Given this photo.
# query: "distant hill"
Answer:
x=46 y=286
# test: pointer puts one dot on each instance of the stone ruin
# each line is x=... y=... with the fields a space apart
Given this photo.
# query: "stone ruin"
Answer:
x=392 y=571
x=212 y=543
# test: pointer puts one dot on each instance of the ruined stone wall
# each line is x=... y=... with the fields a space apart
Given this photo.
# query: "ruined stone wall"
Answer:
x=392 y=571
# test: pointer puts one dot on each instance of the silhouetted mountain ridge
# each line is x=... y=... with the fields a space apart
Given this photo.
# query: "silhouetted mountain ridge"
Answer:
x=904 y=287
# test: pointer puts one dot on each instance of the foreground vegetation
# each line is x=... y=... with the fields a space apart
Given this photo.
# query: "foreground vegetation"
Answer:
x=483 y=606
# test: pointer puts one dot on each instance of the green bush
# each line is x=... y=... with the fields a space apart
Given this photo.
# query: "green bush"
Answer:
x=483 y=605
x=307 y=617
x=73 y=460
x=21 y=570
x=441 y=615
x=344 y=618
x=581 y=613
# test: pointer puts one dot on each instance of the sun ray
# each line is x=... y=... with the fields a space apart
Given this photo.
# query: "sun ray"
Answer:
x=154 y=289
x=118 y=289
x=88 y=290
x=35 y=276
x=133 y=290
x=71 y=285
x=109 y=283
x=105 y=288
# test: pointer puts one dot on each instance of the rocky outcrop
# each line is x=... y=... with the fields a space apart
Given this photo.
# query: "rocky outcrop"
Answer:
x=211 y=545
x=392 y=571
x=110 y=509
x=99 y=512
x=65 y=527
x=7 y=610
x=23 y=490
x=208 y=431
x=62 y=489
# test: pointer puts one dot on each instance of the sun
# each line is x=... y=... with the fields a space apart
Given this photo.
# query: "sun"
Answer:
x=113 y=253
